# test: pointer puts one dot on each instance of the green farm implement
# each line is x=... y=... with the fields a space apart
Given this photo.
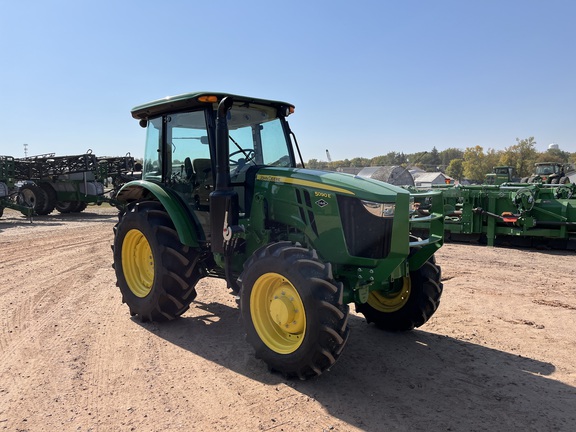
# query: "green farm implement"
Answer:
x=516 y=214
x=65 y=183
x=8 y=188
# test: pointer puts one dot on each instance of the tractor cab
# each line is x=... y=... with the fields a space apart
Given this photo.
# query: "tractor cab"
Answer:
x=181 y=151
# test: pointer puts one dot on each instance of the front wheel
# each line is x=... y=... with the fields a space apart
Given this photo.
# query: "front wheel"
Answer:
x=156 y=273
x=293 y=311
x=411 y=306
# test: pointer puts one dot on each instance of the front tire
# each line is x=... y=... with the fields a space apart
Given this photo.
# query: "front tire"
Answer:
x=156 y=273
x=293 y=311
x=411 y=306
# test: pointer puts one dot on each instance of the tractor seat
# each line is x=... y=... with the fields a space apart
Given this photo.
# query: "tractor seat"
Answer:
x=204 y=183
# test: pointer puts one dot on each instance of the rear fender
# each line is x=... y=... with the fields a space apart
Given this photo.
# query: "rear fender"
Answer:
x=183 y=220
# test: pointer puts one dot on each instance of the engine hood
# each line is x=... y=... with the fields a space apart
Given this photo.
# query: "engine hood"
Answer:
x=335 y=182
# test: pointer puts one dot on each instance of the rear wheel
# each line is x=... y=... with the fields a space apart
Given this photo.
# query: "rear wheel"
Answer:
x=411 y=306
x=292 y=310
x=155 y=272
x=66 y=206
x=50 y=203
x=80 y=207
x=32 y=196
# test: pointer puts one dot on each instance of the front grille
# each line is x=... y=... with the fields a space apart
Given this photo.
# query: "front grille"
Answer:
x=366 y=235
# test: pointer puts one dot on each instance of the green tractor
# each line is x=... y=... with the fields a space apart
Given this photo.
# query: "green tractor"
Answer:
x=221 y=196
x=500 y=175
x=549 y=173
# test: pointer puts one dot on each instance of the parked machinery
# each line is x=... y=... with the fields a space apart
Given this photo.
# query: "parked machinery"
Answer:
x=69 y=183
x=549 y=173
x=8 y=188
x=500 y=174
x=518 y=214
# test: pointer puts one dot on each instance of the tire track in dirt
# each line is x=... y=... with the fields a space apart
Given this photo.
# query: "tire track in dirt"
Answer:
x=47 y=317
x=29 y=310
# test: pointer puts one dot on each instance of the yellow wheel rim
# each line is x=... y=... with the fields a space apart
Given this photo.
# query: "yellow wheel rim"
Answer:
x=390 y=302
x=278 y=313
x=138 y=263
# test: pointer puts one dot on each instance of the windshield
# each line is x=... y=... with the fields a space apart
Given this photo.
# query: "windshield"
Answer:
x=546 y=169
x=257 y=137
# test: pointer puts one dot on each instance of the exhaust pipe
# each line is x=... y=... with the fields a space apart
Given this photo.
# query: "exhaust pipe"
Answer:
x=222 y=162
x=224 y=209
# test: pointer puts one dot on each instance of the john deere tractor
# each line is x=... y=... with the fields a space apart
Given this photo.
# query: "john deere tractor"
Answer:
x=222 y=196
x=549 y=173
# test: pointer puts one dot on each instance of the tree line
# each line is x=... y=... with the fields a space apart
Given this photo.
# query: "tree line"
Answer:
x=472 y=163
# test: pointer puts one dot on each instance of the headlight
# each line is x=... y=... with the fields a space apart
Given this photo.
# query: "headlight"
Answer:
x=385 y=210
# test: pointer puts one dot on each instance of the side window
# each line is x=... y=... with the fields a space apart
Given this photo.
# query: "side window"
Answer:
x=152 y=159
x=187 y=136
x=274 y=147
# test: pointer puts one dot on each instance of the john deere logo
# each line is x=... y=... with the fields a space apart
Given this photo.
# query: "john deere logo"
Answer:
x=321 y=203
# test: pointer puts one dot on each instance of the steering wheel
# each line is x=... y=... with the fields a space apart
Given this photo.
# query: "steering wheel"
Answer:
x=249 y=155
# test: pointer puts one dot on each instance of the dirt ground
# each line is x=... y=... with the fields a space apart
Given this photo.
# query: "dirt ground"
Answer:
x=499 y=354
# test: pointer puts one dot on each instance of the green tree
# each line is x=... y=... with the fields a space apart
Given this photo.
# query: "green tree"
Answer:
x=359 y=162
x=391 y=158
x=316 y=164
x=521 y=156
x=429 y=161
x=450 y=154
x=455 y=169
x=554 y=155
x=417 y=159
x=477 y=164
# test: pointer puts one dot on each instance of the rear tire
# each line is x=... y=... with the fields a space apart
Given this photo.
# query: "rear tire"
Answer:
x=80 y=207
x=33 y=197
x=66 y=206
x=292 y=310
x=411 y=306
x=50 y=198
x=156 y=273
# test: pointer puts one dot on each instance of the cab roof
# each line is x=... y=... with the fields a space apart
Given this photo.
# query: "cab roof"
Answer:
x=188 y=101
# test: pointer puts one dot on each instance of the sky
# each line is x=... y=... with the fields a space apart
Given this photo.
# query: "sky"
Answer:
x=367 y=77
